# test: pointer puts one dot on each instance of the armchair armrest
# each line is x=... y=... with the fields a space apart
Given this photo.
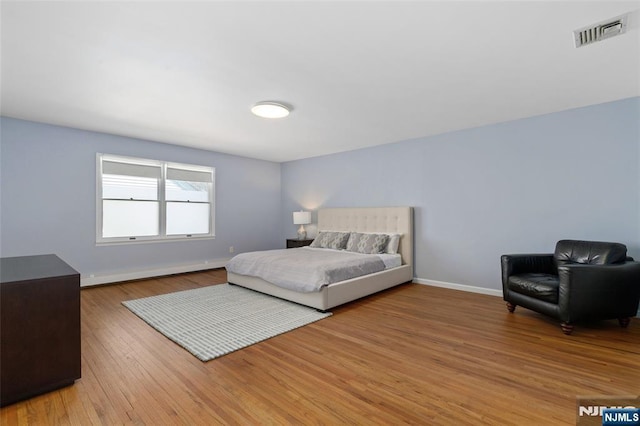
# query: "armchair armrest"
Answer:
x=611 y=290
x=513 y=264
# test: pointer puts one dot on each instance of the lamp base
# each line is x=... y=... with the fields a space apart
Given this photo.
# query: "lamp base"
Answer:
x=302 y=234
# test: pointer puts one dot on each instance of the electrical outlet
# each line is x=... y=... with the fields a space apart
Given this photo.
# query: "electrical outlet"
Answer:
x=231 y=250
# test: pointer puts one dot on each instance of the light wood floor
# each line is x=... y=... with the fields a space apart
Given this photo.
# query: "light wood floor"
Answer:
x=413 y=354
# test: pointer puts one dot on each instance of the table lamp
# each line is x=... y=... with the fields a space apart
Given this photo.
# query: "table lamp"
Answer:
x=301 y=218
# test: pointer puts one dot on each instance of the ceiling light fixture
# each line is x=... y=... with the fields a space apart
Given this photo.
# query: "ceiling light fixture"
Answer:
x=270 y=109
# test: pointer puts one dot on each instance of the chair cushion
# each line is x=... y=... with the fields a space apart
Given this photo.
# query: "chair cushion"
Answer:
x=537 y=285
x=589 y=252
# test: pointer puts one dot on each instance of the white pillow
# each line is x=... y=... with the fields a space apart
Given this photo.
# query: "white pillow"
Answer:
x=392 y=245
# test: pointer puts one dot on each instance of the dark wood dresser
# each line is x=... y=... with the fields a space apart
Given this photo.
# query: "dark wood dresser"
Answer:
x=39 y=326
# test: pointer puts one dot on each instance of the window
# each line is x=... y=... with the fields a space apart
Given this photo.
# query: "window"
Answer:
x=146 y=200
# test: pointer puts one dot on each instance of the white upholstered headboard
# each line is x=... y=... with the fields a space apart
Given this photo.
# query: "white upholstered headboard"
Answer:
x=372 y=219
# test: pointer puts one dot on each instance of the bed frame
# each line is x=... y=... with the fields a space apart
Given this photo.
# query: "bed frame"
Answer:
x=369 y=219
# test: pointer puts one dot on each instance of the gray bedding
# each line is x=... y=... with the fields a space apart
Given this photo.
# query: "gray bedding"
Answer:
x=305 y=269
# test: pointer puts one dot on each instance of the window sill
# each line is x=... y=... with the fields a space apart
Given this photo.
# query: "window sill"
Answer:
x=143 y=240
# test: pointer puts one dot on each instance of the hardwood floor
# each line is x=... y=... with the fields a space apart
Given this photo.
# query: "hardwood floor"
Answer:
x=413 y=354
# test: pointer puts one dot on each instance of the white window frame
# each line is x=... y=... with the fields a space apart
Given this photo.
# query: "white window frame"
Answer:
x=162 y=236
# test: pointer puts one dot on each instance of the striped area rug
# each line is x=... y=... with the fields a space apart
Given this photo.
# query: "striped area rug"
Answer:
x=212 y=321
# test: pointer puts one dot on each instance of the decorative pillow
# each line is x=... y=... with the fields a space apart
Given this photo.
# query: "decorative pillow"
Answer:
x=392 y=245
x=332 y=240
x=367 y=243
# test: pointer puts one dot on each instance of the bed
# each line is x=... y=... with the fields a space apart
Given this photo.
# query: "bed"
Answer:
x=369 y=220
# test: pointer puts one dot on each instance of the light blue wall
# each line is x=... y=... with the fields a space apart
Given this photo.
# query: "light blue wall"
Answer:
x=508 y=188
x=48 y=181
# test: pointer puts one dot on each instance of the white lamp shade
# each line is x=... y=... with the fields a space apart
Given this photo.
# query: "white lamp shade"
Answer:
x=301 y=218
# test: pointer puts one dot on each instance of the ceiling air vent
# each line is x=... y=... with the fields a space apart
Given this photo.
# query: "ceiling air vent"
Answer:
x=600 y=31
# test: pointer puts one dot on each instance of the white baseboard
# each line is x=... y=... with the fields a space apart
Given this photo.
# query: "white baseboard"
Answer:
x=469 y=288
x=463 y=287
x=87 y=281
x=219 y=263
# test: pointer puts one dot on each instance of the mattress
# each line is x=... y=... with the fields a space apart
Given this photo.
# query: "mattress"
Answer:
x=309 y=269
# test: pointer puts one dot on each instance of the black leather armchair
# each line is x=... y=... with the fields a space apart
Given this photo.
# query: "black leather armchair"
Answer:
x=582 y=280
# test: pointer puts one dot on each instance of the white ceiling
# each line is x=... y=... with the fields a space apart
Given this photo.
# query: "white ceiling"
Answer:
x=356 y=73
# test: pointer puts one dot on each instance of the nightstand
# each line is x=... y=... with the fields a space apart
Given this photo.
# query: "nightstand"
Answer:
x=294 y=243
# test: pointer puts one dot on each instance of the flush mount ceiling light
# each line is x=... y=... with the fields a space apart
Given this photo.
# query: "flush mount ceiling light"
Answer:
x=270 y=109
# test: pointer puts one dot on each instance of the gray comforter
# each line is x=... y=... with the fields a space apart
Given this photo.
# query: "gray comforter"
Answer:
x=304 y=269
